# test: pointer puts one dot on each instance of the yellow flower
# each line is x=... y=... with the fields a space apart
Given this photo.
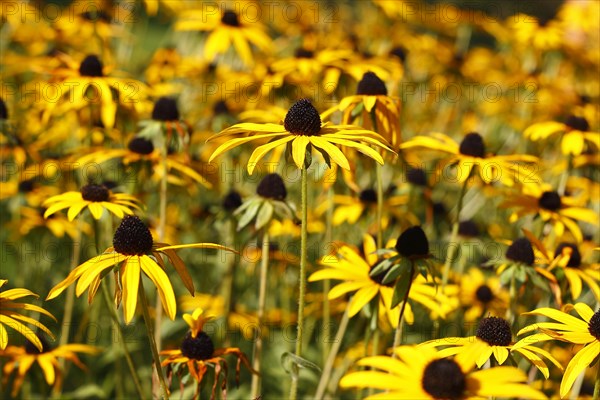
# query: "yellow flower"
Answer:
x=197 y=352
x=471 y=153
x=302 y=127
x=354 y=270
x=132 y=244
x=22 y=358
x=350 y=208
x=568 y=328
x=575 y=134
x=424 y=373
x=560 y=211
x=481 y=295
x=96 y=198
x=379 y=112
x=493 y=338
x=226 y=30
x=9 y=316
x=58 y=225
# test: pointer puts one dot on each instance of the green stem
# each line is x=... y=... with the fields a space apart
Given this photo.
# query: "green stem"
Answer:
x=379 y=189
x=328 y=367
x=302 y=284
x=398 y=334
x=327 y=282
x=596 y=395
x=153 y=347
x=511 y=312
x=227 y=283
x=453 y=247
x=130 y=364
x=262 y=296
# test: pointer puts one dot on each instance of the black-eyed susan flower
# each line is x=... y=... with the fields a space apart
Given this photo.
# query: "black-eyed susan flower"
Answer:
x=96 y=198
x=354 y=271
x=493 y=338
x=226 y=30
x=471 y=154
x=166 y=127
x=301 y=130
x=58 y=225
x=560 y=211
x=198 y=352
x=134 y=252
x=22 y=358
x=424 y=373
x=574 y=134
x=10 y=316
x=269 y=201
x=481 y=295
x=567 y=259
x=567 y=328
x=378 y=111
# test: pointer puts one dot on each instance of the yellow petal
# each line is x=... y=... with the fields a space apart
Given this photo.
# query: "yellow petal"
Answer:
x=130 y=280
x=581 y=361
x=299 y=150
x=334 y=153
x=361 y=298
x=46 y=364
x=162 y=283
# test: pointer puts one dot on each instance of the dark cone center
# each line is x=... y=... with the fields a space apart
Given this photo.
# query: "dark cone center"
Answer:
x=132 y=237
x=31 y=349
x=220 y=107
x=370 y=84
x=199 y=348
x=96 y=193
x=272 y=187
x=443 y=379
x=3 y=110
x=494 y=331
x=165 y=109
x=575 y=260
x=26 y=186
x=468 y=229
x=550 y=201
x=594 y=325
x=484 y=294
x=577 y=123
x=416 y=176
x=91 y=66
x=232 y=201
x=141 y=146
x=472 y=145
x=413 y=243
x=230 y=18
x=521 y=251
x=304 y=53
x=302 y=119
x=399 y=52
x=368 y=196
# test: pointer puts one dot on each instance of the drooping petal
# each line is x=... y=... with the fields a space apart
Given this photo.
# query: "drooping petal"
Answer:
x=130 y=280
x=162 y=283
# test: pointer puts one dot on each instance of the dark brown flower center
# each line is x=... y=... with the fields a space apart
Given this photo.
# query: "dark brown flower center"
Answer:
x=443 y=379
x=494 y=331
x=368 y=196
x=521 y=251
x=96 y=193
x=550 y=201
x=413 y=243
x=272 y=187
x=220 y=107
x=468 y=229
x=232 y=200
x=416 y=176
x=27 y=185
x=91 y=66
x=31 y=349
x=577 y=123
x=96 y=15
x=575 y=260
x=304 y=53
x=165 y=109
x=199 y=348
x=472 y=145
x=399 y=52
x=141 y=146
x=302 y=119
x=484 y=294
x=370 y=84
x=230 y=18
x=3 y=110
x=594 y=325
x=132 y=237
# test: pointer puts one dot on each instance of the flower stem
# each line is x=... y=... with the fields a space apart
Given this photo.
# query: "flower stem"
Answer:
x=596 y=395
x=130 y=364
x=302 y=284
x=262 y=296
x=153 y=347
x=398 y=334
x=379 y=189
x=327 y=282
x=326 y=375
x=227 y=283
x=452 y=249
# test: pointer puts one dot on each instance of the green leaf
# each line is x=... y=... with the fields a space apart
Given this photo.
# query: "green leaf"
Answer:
x=381 y=267
x=325 y=157
x=308 y=157
x=392 y=274
x=249 y=214
x=357 y=110
x=264 y=215
x=402 y=287
x=288 y=359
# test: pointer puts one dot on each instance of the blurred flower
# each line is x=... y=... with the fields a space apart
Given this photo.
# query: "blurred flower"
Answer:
x=584 y=330
x=424 y=373
x=481 y=295
x=9 y=316
x=132 y=246
x=575 y=134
